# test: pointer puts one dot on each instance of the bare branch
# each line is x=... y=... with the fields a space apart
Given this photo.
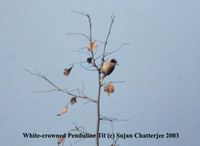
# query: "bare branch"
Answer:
x=45 y=91
x=112 y=119
x=99 y=41
x=81 y=34
x=78 y=62
x=90 y=36
x=60 y=89
x=89 y=20
x=81 y=51
x=107 y=37
x=78 y=128
x=112 y=52
x=83 y=87
x=87 y=68
x=80 y=13
x=85 y=36
x=114 y=82
x=109 y=53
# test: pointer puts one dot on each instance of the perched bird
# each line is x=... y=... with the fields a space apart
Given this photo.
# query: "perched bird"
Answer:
x=107 y=68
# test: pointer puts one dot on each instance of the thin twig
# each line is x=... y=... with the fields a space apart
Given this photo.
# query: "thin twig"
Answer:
x=81 y=50
x=79 y=129
x=45 y=91
x=109 y=53
x=81 y=34
x=78 y=62
x=87 y=68
x=112 y=119
x=58 y=88
x=107 y=37
x=112 y=52
x=114 y=82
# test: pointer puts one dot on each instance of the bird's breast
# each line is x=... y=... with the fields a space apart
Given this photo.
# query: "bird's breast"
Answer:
x=107 y=68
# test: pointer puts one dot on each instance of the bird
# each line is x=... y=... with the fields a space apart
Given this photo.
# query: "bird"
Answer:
x=107 y=68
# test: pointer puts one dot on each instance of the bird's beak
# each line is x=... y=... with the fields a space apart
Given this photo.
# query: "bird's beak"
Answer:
x=117 y=63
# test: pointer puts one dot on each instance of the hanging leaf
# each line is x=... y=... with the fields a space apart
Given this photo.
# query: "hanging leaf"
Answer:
x=60 y=140
x=109 y=89
x=67 y=71
x=89 y=60
x=65 y=110
x=73 y=100
x=91 y=46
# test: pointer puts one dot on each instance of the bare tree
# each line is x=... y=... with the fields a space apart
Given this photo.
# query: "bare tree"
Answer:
x=103 y=69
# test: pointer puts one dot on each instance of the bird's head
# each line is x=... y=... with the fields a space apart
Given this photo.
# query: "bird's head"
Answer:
x=114 y=61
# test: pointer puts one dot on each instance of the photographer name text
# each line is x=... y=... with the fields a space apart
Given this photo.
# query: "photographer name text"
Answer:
x=136 y=135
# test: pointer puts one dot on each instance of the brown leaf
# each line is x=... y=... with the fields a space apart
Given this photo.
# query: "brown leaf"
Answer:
x=65 y=110
x=73 y=100
x=67 y=71
x=60 y=140
x=91 y=46
x=109 y=89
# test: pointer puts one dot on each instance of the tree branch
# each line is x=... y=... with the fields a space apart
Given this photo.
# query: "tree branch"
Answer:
x=112 y=52
x=112 y=119
x=114 y=82
x=107 y=37
x=81 y=34
x=60 y=89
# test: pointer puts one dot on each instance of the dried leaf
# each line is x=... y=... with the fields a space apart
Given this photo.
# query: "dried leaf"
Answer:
x=109 y=89
x=67 y=71
x=91 y=46
x=60 y=140
x=65 y=110
x=73 y=100
x=89 y=60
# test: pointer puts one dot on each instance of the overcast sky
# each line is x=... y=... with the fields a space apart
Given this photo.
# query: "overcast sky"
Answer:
x=160 y=66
